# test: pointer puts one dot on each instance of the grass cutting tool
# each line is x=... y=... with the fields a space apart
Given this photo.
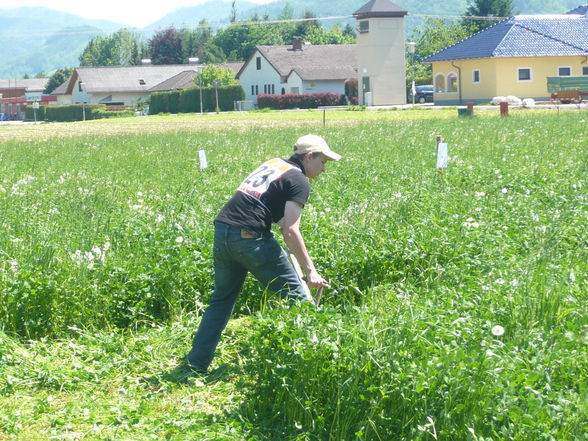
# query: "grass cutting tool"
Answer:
x=305 y=286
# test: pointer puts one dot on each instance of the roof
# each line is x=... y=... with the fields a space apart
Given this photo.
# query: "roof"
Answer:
x=125 y=79
x=523 y=36
x=29 y=84
x=582 y=10
x=313 y=62
x=185 y=80
x=62 y=89
x=235 y=66
x=379 y=8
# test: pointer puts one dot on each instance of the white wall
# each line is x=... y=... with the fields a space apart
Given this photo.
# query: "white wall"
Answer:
x=381 y=57
x=337 y=86
x=63 y=100
x=267 y=75
x=128 y=99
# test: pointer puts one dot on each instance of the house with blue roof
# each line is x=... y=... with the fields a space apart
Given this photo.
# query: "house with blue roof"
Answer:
x=513 y=57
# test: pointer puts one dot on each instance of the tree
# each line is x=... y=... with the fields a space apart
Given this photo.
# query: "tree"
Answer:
x=486 y=8
x=213 y=73
x=431 y=37
x=123 y=48
x=165 y=47
x=308 y=25
x=233 y=16
x=320 y=35
x=57 y=79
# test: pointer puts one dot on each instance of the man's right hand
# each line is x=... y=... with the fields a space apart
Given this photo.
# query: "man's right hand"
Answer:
x=314 y=280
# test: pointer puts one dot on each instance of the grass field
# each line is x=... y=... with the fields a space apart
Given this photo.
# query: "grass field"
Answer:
x=458 y=300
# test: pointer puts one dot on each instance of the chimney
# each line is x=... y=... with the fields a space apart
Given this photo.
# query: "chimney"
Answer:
x=297 y=43
x=145 y=61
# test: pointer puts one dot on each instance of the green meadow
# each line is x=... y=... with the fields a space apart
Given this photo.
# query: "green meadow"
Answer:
x=458 y=300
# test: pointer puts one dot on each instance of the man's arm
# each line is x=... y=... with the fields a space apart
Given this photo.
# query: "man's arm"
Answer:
x=290 y=227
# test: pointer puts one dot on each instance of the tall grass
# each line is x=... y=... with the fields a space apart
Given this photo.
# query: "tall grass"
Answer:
x=106 y=233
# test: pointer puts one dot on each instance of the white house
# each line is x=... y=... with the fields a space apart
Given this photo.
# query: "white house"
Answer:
x=124 y=86
x=300 y=68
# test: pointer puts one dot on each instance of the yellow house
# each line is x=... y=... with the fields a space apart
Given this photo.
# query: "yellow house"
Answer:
x=513 y=57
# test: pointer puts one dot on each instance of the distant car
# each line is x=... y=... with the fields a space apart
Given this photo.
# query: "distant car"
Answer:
x=424 y=94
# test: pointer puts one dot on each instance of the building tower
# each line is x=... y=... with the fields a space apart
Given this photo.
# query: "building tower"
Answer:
x=381 y=58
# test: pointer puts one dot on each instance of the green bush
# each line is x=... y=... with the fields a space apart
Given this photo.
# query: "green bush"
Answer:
x=104 y=114
x=188 y=100
x=72 y=112
x=30 y=113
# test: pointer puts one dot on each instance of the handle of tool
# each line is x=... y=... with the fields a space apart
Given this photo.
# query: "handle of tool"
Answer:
x=298 y=270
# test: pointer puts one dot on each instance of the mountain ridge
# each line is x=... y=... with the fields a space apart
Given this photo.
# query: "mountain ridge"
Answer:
x=42 y=39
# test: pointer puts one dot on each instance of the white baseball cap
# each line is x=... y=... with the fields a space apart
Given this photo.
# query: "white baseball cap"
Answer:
x=315 y=143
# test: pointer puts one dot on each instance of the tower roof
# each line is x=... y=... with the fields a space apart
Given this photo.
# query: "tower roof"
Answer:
x=379 y=8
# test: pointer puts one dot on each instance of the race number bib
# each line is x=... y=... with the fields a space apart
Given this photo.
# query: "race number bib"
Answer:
x=257 y=183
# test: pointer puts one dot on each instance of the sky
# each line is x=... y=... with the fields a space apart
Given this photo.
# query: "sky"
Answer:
x=137 y=13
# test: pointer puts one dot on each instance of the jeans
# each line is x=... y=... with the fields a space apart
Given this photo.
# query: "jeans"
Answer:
x=234 y=256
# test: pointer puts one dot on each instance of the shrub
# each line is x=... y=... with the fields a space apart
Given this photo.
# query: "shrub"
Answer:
x=188 y=100
x=302 y=101
x=108 y=113
x=351 y=89
x=73 y=112
x=30 y=113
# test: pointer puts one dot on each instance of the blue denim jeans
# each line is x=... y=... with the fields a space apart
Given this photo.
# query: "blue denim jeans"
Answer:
x=234 y=257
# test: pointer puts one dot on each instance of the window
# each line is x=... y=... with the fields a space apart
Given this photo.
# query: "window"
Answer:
x=451 y=82
x=265 y=88
x=524 y=73
x=252 y=90
x=564 y=71
x=584 y=70
x=364 y=26
x=258 y=62
x=476 y=76
x=256 y=90
x=439 y=83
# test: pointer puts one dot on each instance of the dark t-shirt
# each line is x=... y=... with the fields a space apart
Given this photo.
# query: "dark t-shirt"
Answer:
x=262 y=196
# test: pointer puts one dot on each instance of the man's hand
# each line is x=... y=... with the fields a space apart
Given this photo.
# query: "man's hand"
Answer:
x=315 y=280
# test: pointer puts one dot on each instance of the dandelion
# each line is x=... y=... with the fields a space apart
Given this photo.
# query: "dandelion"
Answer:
x=504 y=190
x=498 y=331
x=480 y=194
x=499 y=281
x=179 y=239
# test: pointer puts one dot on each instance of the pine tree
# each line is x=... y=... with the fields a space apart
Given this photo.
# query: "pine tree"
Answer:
x=487 y=8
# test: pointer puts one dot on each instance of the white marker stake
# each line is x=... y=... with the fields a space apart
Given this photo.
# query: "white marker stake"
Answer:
x=202 y=157
x=441 y=156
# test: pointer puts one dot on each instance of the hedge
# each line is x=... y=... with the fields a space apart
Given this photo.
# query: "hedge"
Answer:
x=301 y=101
x=30 y=113
x=75 y=112
x=188 y=100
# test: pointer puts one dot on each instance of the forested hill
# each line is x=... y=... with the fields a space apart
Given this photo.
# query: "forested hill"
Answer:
x=45 y=40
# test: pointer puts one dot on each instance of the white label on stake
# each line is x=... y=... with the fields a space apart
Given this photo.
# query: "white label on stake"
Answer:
x=442 y=155
x=203 y=162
